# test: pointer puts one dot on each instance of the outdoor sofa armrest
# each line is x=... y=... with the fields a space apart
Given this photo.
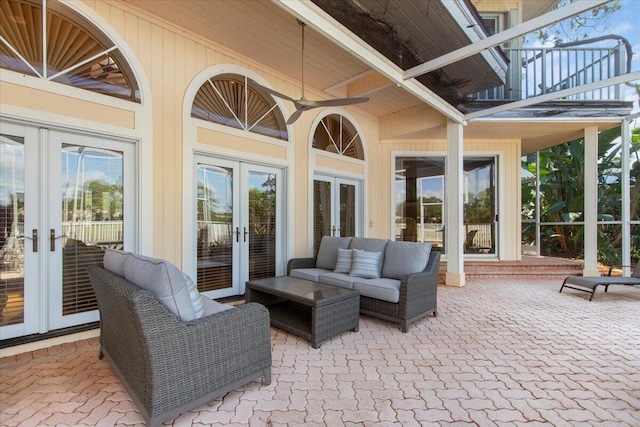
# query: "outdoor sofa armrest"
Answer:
x=167 y=363
x=300 y=263
x=419 y=290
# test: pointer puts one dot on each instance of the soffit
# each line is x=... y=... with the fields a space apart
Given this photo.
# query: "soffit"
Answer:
x=266 y=34
x=538 y=134
x=534 y=8
x=409 y=33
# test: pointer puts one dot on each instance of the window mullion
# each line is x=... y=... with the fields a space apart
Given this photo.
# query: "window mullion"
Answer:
x=227 y=105
x=80 y=64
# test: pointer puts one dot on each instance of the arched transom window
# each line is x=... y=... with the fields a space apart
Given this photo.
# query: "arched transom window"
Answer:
x=50 y=41
x=336 y=134
x=239 y=102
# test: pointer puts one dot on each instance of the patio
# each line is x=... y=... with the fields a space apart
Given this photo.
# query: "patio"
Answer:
x=501 y=352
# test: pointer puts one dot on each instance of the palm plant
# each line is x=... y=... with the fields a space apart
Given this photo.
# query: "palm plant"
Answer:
x=561 y=174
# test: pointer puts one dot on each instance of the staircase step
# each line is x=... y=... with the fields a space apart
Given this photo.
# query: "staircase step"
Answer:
x=528 y=268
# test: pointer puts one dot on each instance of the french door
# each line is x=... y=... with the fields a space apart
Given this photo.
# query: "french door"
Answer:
x=238 y=226
x=336 y=208
x=64 y=197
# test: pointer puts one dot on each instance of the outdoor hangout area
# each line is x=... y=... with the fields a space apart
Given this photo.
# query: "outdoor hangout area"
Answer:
x=499 y=353
x=357 y=213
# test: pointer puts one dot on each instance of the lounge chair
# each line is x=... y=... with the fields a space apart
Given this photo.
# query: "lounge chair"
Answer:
x=590 y=284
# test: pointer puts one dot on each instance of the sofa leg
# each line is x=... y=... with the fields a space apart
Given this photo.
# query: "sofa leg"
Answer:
x=266 y=380
x=405 y=326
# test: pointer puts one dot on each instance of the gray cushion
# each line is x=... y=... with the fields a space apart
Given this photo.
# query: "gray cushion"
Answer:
x=343 y=265
x=194 y=295
x=341 y=280
x=636 y=271
x=369 y=244
x=401 y=258
x=114 y=261
x=366 y=264
x=164 y=280
x=328 y=252
x=382 y=289
x=308 y=273
x=212 y=307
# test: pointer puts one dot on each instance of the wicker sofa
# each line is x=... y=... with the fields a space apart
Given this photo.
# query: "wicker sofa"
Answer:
x=406 y=289
x=169 y=365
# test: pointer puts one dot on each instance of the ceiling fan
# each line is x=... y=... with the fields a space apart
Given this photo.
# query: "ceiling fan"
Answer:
x=304 y=104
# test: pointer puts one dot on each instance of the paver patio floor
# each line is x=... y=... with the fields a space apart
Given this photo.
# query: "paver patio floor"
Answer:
x=500 y=353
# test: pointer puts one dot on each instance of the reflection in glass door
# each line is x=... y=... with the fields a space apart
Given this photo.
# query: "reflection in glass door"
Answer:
x=262 y=215
x=420 y=201
x=480 y=205
x=55 y=221
x=13 y=318
x=92 y=219
x=214 y=233
x=336 y=208
x=239 y=218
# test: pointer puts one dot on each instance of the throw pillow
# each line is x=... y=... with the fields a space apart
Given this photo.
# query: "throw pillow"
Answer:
x=366 y=264
x=343 y=265
x=328 y=251
x=196 y=298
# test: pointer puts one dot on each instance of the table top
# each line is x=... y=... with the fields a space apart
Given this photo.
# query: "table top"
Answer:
x=301 y=289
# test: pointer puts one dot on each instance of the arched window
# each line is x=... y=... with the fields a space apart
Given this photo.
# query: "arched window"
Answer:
x=336 y=134
x=73 y=52
x=239 y=102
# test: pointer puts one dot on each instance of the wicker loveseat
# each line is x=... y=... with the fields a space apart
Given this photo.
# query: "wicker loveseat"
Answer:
x=169 y=365
x=405 y=288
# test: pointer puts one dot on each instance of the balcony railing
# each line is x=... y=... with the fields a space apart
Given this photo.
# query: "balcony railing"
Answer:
x=538 y=71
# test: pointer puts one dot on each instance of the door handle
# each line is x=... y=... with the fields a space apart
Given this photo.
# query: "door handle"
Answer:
x=53 y=238
x=33 y=238
x=237 y=234
x=333 y=230
x=245 y=233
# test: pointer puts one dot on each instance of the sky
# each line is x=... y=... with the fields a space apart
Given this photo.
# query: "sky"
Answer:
x=626 y=23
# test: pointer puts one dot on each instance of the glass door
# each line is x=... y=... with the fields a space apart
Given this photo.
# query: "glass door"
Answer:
x=19 y=251
x=94 y=181
x=239 y=223
x=56 y=220
x=480 y=218
x=215 y=225
x=336 y=208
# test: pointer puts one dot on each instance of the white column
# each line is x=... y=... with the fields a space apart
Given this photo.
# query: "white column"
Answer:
x=454 y=219
x=626 y=197
x=591 y=202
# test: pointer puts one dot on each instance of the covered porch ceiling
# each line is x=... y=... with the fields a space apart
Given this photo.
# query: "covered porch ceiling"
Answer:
x=268 y=35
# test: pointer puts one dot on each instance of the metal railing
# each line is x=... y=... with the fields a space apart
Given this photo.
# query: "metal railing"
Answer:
x=538 y=71
x=90 y=231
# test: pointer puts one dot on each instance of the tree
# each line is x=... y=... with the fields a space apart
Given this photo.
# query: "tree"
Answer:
x=562 y=197
x=578 y=27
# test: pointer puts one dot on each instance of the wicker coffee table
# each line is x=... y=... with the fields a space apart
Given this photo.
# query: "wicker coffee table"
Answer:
x=308 y=309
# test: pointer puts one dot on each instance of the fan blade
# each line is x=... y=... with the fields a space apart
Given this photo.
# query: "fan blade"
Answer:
x=274 y=93
x=332 y=102
x=294 y=117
